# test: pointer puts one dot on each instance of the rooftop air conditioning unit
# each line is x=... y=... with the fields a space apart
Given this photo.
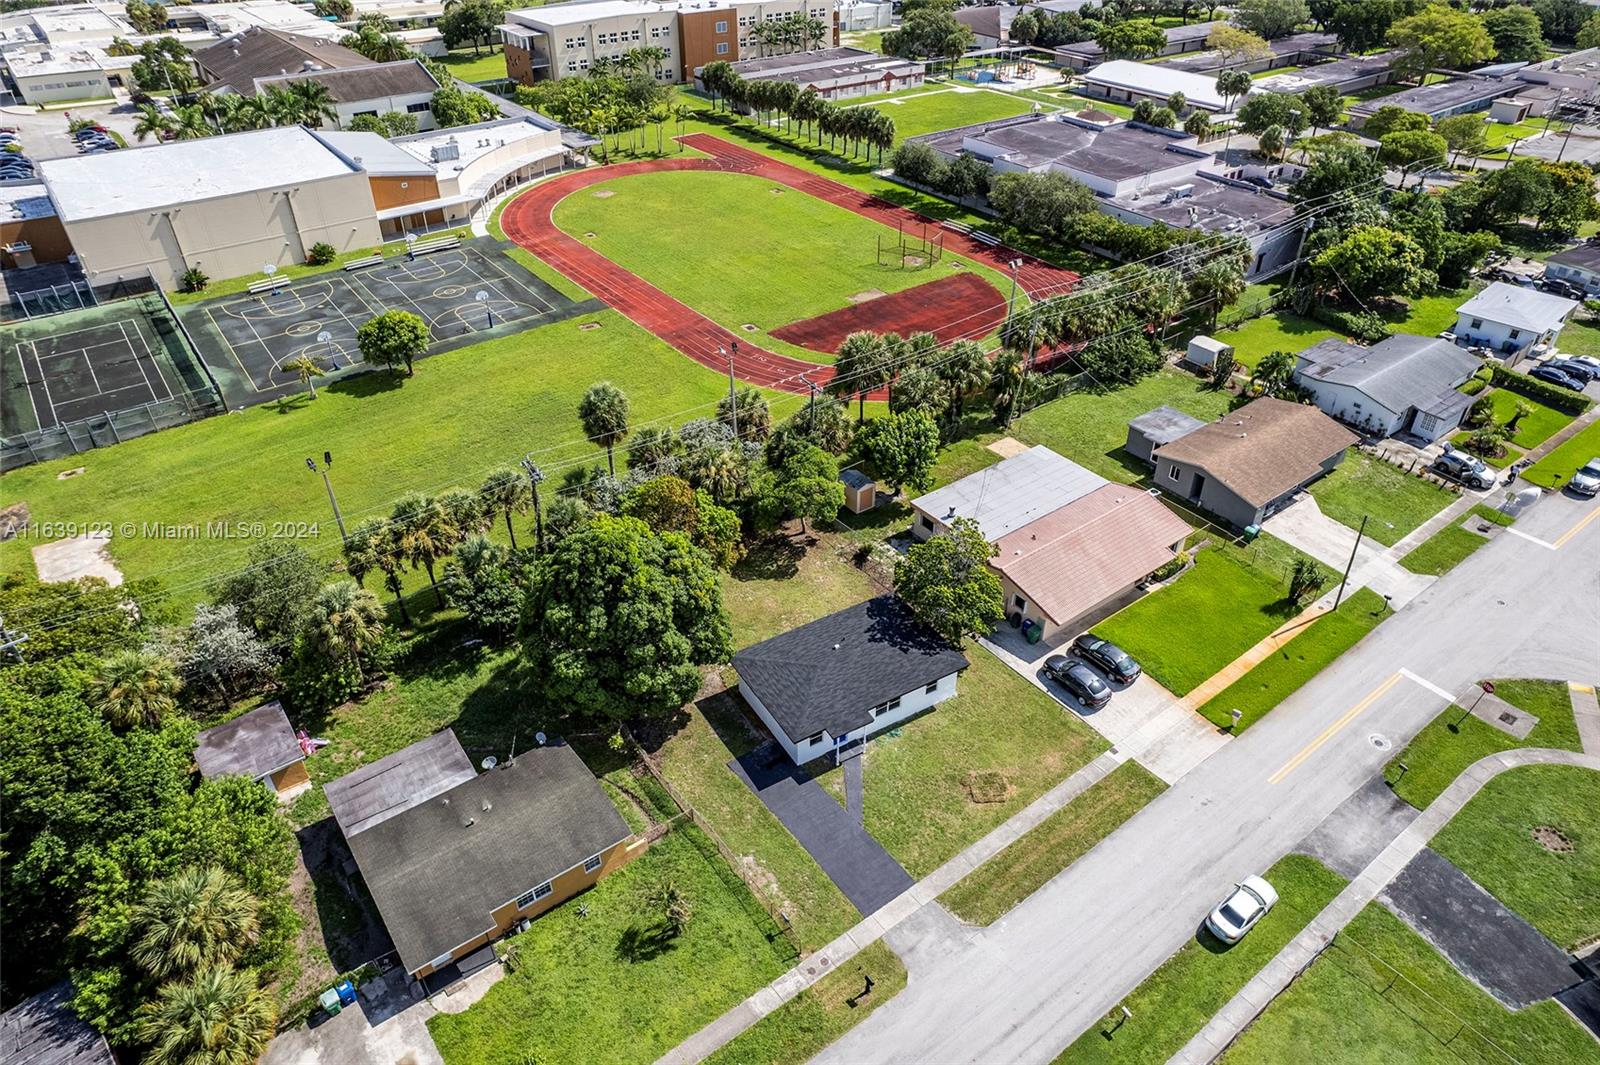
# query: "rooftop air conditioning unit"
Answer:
x=1182 y=191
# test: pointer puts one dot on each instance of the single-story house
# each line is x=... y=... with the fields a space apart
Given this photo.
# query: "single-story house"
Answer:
x=454 y=859
x=259 y=745
x=1579 y=266
x=44 y=1030
x=1005 y=496
x=826 y=687
x=1439 y=100
x=1512 y=320
x=1156 y=427
x=1086 y=559
x=1404 y=384
x=1125 y=81
x=1250 y=462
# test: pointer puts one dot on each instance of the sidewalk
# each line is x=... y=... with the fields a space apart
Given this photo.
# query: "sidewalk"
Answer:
x=1254 y=656
x=1231 y=1021
x=1587 y=714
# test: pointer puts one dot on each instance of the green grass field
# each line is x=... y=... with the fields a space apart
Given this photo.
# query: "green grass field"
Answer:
x=783 y=583
x=1579 y=338
x=579 y=986
x=1453 y=741
x=1287 y=331
x=984 y=895
x=1279 y=676
x=1395 y=501
x=1443 y=551
x=724 y=244
x=1177 y=999
x=1556 y=468
x=489 y=65
x=930 y=112
x=1382 y=994
x=1533 y=428
x=1493 y=841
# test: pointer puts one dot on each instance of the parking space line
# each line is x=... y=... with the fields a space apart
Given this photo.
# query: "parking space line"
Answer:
x=1328 y=733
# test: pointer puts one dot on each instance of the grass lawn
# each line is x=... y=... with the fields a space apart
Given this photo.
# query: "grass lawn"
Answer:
x=609 y=979
x=785 y=581
x=999 y=730
x=1438 y=754
x=1078 y=101
x=1396 y=501
x=747 y=267
x=1443 y=551
x=870 y=40
x=1382 y=994
x=1499 y=462
x=1282 y=331
x=489 y=65
x=801 y=1028
x=463 y=414
x=1579 y=338
x=1090 y=428
x=932 y=111
x=1179 y=998
x=984 y=895
x=1556 y=468
x=1533 y=428
x=1210 y=615
x=1492 y=840
x=1279 y=676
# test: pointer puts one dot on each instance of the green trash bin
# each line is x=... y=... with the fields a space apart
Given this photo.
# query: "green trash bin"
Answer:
x=1032 y=631
x=330 y=1001
x=1251 y=532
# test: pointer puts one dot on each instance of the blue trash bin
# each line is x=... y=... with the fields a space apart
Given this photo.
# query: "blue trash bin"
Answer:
x=347 y=992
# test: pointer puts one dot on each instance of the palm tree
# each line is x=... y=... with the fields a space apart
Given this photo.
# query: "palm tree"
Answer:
x=965 y=370
x=151 y=122
x=604 y=414
x=136 y=688
x=314 y=102
x=425 y=534
x=506 y=489
x=220 y=1017
x=190 y=123
x=281 y=104
x=364 y=547
x=196 y=918
x=306 y=369
x=465 y=511
x=250 y=112
x=856 y=368
x=347 y=623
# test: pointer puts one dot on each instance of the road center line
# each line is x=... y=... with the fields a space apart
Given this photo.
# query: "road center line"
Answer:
x=1570 y=533
x=1350 y=715
x=1514 y=531
x=1430 y=685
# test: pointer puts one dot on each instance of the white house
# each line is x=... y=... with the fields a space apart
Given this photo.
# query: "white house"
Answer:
x=1405 y=384
x=1512 y=320
x=826 y=687
x=1579 y=266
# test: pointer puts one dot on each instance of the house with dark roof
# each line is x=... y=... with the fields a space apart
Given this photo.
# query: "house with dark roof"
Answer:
x=826 y=687
x=234 y=63
x=454 y=858
x=260 y=745
x=374 y=89
x=1579 y=266
x=1251 y=461
x=1404 y=384
x=44 y=1030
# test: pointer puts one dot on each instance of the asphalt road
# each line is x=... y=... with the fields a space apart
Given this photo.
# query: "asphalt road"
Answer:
x=1024 y=988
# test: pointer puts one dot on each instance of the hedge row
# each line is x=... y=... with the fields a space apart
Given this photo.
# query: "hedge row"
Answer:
x=1550 y=395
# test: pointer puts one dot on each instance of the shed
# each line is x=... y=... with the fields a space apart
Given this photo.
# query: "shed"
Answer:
x=44 y=1030
x=1509 y=109
x=1153 y=428
x=1203 y=350
x=860 y=491
x=260 y=745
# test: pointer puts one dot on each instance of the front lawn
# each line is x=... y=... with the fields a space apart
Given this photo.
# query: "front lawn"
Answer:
x=1438 y=754
x=1531 y=838
x=1382 y=994
x=1396 y=501
x=1177 y=1000
x=940 y=781
x=1533 y=428
x=600 y=972
x=1443 y=551
x=1091 y=427
x=987 y=893
x=801 y=1028
x=1557 y=468
x=1280 y=675
x=1187 y=631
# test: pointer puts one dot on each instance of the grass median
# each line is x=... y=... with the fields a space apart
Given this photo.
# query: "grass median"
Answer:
x=1443 y=551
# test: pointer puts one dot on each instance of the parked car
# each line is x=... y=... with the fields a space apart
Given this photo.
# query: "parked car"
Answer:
x=1235 y=915
x=1081 y=682
x=1586 y=481
x=1585 y=360
x=1468 y=469
x=1574 y=368
x=1553 y=376
x=1116 y=663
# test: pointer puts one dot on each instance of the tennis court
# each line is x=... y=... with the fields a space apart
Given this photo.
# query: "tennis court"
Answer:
x=465 y=295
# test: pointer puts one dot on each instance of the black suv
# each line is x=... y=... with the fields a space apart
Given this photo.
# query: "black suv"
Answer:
x=1083 y=683
x=1113 y=661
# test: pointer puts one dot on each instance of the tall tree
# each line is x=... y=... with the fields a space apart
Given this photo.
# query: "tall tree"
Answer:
x=1133 y=39
x=424 y=534
x=1439 y=36
x=219 y=1017
x=507 y=491
x=947 y=582
x=393 y=339
x=134 y=688
x=1271 y=19
x=198 y=917
x=857 y=367
x=902 y=449
x=1232 y=84
x=348 y=624
x=604 y=410
x=1518 y=36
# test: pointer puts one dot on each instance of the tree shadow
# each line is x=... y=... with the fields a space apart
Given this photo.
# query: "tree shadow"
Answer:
x=772 y=558
x=291 y=404
x=645 y=941
x=367 y=382
x=352 y=931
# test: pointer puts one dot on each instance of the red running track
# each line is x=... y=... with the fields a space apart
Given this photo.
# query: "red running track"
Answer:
x=527 y=221
x=954 y=307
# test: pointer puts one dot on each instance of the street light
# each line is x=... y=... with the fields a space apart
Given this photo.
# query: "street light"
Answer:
x=733 y=396
x=327 y=464
x=482 y=296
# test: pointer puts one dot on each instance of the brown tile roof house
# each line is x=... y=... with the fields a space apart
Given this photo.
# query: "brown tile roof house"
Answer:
x=236 y=61
x=1076 y=558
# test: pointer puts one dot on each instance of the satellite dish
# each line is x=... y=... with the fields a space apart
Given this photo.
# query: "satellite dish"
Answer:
x=490 y=762
x=539 y=736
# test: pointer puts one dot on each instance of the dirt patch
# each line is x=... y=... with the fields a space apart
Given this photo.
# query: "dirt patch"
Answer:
x=586 y=326
x=1007 y=447
x=913 y=260
x=869 y=294
x=12 y=519
x=1552 y=839
x=603 y=194
x=988 y=786
x=65 y=475
x=77 y=556
x=762 y=882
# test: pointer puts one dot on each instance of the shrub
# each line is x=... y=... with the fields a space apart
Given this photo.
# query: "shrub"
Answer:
x=1364 y=326
x=195 y=279
x=1535 y=389
x=321 y=254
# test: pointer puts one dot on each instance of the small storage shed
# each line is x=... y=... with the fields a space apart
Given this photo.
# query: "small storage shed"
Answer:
x=1203 y=350
x=860 y=491
x=1509 y=110
x=259 y=745
x=1153 y=428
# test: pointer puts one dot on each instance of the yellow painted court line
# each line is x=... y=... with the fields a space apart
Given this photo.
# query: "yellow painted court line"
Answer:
x=1570 y=533
x=1350 y=715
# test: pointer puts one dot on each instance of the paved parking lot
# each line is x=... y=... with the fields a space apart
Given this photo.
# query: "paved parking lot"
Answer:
x=44 y=133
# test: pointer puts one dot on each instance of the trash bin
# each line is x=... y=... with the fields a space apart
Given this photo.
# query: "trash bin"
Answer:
x=1032 y=631
x=1251 y=532
x=330 y=1002
x=346 y=991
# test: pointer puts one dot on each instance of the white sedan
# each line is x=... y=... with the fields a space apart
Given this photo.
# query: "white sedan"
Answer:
x=1239 y=912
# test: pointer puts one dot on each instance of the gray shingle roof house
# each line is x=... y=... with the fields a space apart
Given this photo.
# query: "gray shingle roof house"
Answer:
x=395 y=783
x=1156 y=427
x=45 y=1031
x=463 y=864
x=846 y=676
x=1579 y=265
x=1404 y=384
x=259 y=744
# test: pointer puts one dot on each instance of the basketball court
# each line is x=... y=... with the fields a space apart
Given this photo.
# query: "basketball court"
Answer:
x=464 y=294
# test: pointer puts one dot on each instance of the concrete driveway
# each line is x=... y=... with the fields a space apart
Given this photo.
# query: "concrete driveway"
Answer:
x=1302 y=524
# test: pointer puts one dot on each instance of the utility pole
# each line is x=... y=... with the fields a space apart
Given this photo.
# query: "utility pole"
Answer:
x=1351 y=564
x=811 y=404
x=1300 y=251
x=12 y=641
x=327 y=464
x=733 y=396
x=1015 y=264
x=535 y=475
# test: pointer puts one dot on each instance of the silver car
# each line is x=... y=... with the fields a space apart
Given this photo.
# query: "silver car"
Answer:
x=1586 y=481
x=1235 y=915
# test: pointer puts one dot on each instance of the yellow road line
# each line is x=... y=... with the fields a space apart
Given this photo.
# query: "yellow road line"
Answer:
x=1350 y=715
x=1570 y=533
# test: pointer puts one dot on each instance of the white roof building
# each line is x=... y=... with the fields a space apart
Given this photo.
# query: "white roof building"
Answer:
x=1007 y=495
x=1126 y=81
x=1524 y=308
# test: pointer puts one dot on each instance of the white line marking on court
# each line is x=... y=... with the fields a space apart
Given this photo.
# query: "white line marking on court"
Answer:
x=150 y=354
x=1512 y=529
x=134 y=352
x=55 y=419
x=1434 y=688
x=27 y=386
